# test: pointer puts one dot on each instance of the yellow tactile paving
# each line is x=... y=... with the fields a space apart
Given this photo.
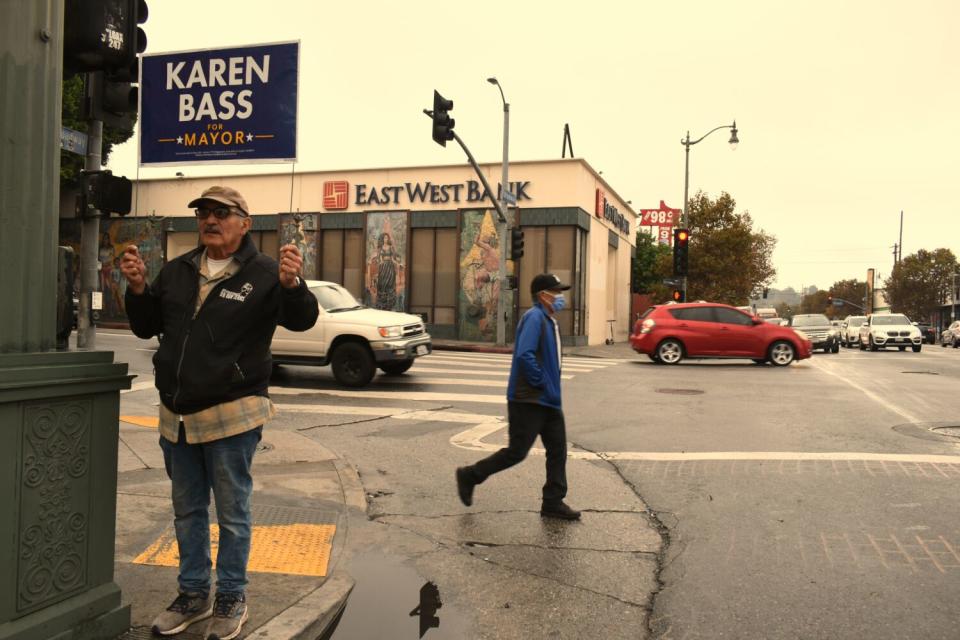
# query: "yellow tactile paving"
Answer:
x=151 y=422
x=292 y=549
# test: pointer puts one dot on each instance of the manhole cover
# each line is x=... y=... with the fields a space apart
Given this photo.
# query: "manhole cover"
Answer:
x=953 y=431
x=681 y=392
x=937 y=431
x=264 y=446
x=929 y=373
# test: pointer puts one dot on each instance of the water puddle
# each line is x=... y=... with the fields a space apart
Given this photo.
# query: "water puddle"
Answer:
x=392 y=601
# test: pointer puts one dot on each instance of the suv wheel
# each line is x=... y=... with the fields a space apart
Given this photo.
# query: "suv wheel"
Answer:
x=835 y=349
x=873 y=347
x=862 y=346
x=781 y=353
x=670 y=351
x=396 y=368
x=353 y=365
x=917 y=347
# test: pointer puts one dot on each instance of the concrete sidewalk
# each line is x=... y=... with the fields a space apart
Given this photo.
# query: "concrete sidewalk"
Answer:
x=304 y=497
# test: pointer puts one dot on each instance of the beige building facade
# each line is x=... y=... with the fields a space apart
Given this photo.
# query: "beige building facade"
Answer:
x=415 y=239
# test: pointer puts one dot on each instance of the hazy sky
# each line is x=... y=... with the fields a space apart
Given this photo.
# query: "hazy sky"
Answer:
x=849 y=112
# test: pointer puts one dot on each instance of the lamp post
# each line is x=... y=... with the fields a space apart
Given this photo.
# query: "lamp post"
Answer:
x=503 y=226
x=687 y=143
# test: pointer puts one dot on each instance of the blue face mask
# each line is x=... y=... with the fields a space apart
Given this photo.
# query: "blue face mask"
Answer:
x=559 y=303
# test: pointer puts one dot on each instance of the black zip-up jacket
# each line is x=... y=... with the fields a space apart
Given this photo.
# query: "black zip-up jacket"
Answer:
x=223 y=353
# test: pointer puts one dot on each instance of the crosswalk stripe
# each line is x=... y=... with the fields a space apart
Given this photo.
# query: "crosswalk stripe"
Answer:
x=391 y=412
x=485 y=365
x=443 y=381
x=422 y=396
x=462 y=372
x=475 y=362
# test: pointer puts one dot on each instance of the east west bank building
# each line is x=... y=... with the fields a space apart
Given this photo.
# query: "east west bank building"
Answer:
x=418 y=239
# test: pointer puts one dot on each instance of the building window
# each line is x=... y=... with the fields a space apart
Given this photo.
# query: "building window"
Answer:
x=341 y=258
x=556 y=250
x=433 y=281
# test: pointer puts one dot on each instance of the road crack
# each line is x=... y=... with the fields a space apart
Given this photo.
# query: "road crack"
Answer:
x=657 y=523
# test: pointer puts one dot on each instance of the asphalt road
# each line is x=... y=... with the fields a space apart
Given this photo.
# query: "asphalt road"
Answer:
x=807 y=502
x=726 y=499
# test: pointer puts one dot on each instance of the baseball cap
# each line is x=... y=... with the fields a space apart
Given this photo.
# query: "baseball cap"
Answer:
x=223 y=195
x=546 y=281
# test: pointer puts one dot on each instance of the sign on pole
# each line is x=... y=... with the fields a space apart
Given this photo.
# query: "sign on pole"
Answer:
x=220 y=105
x=73 y=141
x=662 y=219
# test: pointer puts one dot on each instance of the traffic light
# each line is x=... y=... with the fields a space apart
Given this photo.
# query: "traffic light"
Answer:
x=678 y=295
x=516 y=243
x=442 y=122
x=681 y=239
x=105 y=192
x=102 y=37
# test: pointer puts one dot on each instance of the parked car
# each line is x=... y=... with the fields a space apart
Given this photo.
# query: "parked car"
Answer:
x=927 y=331
x=951 y=335
x=669 y=333
x=353 y=339
x=850 y=334
x=882 y=330
x=818 y=329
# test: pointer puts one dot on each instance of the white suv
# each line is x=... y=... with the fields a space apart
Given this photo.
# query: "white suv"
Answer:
x=850 y=333
x=882 y=330
x=353 y=339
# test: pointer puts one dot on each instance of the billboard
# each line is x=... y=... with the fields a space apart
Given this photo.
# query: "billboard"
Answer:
x=660 y=222
x=219 y=106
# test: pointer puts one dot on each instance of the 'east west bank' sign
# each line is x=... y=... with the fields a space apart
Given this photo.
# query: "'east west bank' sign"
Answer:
x=335 y=193
x=221 y=105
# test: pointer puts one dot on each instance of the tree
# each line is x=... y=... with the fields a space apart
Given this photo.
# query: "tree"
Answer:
x=729 y=261
x=70 y=163
x=645 y=274
x=816 y=302
x=784 y=311
x=921 y=282
x=851 y=291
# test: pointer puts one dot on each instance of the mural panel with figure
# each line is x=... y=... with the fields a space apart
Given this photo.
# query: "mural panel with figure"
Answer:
x=300 y=230
x=480 y=248
x=385 y=276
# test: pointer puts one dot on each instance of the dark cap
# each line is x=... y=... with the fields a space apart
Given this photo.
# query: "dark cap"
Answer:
x=546 y=282
x=223 y=195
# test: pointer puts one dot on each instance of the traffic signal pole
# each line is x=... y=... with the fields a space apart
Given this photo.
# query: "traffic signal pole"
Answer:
x=503 y=232
x=90 y=234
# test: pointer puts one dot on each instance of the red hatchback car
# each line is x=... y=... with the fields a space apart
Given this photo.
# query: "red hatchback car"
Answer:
x=671 y=332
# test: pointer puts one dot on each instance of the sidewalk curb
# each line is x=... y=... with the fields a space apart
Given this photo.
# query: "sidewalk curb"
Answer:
x=300 y=621
x=354 y=494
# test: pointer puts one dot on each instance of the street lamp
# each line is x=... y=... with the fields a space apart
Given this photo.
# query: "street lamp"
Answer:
x=687 y=143
x=503 y=226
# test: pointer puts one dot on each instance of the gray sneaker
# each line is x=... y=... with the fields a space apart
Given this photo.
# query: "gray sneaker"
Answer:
x=229 y=614
x=184 y=611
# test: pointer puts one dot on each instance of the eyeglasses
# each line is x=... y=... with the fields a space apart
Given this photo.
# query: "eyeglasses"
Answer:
x=220 y=213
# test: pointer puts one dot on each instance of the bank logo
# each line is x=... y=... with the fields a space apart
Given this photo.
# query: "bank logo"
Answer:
x=335 y=194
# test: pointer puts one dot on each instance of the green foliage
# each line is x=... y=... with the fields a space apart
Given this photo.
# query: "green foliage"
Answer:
x=852 y=291
x=71 y=164
x=645 y=273
x=729 y=261
x=816 y=302
x=921 y=282
x=784 y=311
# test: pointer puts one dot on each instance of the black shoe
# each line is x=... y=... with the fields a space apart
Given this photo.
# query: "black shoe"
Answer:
x=465 y=485
x=560 y=510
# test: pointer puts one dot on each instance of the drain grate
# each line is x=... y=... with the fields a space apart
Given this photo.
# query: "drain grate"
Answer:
x=952 y=431
x=681 y=392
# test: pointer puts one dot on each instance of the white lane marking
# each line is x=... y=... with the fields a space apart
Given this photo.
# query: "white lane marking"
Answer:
x=496 y=357
x=566 y=361
x=139 y=386
x=423 y=396
x=473 y=439
x=443 y=381
x=485 y=365
x=502 y=374
x=883 y=402
x=391 y=412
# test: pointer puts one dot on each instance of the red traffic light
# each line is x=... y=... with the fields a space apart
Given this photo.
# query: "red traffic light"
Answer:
x=677 y=295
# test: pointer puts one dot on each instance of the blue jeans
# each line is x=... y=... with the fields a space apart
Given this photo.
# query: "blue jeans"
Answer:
x=194 y=469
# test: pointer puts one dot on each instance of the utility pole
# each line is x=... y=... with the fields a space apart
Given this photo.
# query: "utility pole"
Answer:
x=900 y=243
x=90 y=234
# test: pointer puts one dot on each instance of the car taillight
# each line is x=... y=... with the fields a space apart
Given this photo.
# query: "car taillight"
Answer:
x=647 y=325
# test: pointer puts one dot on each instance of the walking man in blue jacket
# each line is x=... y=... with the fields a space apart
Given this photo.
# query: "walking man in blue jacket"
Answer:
x=533 y=402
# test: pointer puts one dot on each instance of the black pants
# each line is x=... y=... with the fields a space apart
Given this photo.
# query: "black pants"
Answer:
x=527 y=421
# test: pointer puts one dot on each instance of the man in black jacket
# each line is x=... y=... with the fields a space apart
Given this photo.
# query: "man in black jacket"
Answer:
x=216 y=308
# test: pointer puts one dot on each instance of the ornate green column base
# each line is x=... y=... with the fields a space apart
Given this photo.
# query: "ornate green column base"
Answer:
x=59 y=415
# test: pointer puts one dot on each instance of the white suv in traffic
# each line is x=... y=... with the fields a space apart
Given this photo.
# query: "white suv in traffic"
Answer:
x=353 y=339
x=882 y=330
x=850 y=332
